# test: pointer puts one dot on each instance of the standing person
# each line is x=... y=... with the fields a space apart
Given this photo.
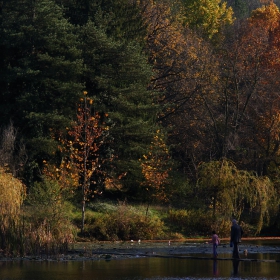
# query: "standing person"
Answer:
x=236 y=233
x=215 y=241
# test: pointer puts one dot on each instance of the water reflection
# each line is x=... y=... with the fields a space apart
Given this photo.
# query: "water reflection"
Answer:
x=215 y=267
x=139 y=269
x=150 y=268
x=235 y=267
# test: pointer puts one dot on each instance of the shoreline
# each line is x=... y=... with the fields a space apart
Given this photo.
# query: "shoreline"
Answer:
x=187 y=248
x=81 y=240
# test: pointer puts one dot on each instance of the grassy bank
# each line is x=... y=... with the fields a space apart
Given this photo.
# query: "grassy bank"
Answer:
x=51 y=228
x=106 y=221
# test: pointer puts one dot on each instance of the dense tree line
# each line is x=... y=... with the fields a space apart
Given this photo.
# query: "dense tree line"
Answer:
x=180 y=92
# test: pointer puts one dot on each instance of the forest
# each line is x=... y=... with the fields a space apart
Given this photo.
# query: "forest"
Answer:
x=151 y=119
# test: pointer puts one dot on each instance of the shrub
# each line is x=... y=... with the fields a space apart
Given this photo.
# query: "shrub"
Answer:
x=47 y=227
x=125 y=223
x=189 y=222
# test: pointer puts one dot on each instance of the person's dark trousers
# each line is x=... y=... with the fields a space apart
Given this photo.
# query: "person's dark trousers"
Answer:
x=215 y=253
x=235 y=253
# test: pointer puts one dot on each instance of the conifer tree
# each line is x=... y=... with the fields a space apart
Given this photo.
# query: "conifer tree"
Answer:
x=120 y=19
x=117 y=74
x=40 y=71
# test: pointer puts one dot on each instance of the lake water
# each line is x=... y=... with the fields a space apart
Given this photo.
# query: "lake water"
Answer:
x=144 y=268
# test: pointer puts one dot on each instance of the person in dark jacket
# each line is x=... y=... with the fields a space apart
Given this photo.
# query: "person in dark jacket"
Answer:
x=236 y=233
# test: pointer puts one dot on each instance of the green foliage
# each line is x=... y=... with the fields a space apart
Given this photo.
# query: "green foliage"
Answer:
x=119 y=19
x=47 y=223
x=117 y=75
x=189 y=222
x=213 y=103
x=182 y=191
x=124 y=223
x=193 y=223
x=41 y=66
x=227 y=190
x=208 y=15
x=241 y=9
x=102 y=207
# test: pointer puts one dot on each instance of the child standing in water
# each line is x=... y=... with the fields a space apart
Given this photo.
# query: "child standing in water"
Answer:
x=215 y=241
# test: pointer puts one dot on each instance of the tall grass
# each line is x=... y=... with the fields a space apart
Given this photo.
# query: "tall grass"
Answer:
x=32 y=238
x=41 y=226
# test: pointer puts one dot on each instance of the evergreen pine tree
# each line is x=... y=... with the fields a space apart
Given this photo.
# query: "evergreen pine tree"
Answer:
x=120 y=19
x=117 y=76
x=41 y=69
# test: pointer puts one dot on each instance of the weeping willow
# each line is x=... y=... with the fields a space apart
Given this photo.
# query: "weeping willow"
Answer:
x=227 y=189
x=12 y=194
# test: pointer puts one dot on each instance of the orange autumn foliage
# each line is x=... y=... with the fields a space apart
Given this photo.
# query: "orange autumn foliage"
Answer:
x=155 y=169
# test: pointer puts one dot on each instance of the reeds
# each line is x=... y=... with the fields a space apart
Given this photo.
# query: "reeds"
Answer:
x=25 y=237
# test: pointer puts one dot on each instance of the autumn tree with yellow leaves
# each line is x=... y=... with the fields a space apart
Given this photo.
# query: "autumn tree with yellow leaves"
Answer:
x=208 y=16
x=12 y=194
x=156 y=165
x=251 y=92
x=264 y=24
x=187 y=74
